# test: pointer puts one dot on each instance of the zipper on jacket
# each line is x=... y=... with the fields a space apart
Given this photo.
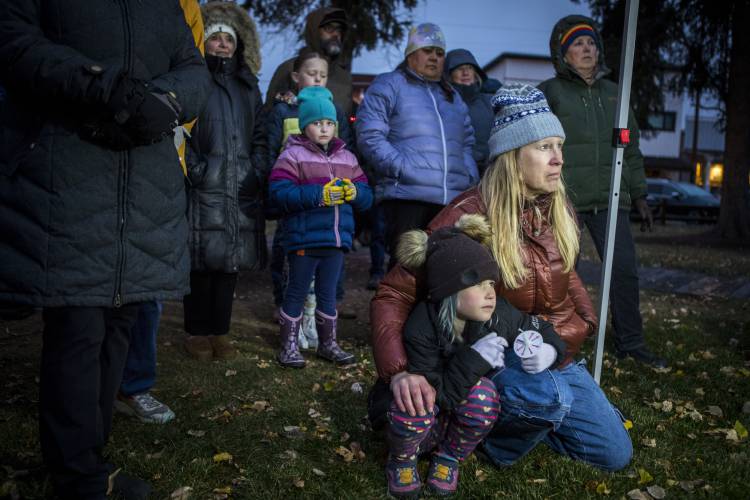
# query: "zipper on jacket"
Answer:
x=122 y=169
x=445 y=148
x=335 y=207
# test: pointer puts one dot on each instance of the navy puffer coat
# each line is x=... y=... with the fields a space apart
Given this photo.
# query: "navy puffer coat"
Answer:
x=82 y=225
x=417 y=140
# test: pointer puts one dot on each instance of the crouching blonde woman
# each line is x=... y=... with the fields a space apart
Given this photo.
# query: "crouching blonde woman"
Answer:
x=535 y=243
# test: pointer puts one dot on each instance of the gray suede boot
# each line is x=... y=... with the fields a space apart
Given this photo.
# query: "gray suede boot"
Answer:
x=327 y=346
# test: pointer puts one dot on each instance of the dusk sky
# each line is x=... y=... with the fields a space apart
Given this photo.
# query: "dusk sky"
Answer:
x=485 y=27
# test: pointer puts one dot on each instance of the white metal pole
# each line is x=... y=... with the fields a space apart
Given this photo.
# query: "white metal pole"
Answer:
x=621 y=122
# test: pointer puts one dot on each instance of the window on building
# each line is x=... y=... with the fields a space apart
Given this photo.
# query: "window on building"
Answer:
x=664 y=121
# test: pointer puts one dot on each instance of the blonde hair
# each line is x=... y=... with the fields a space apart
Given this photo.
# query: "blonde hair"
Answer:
x=502 y=190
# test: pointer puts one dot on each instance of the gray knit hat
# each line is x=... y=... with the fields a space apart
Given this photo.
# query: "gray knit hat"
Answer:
x=522 y=116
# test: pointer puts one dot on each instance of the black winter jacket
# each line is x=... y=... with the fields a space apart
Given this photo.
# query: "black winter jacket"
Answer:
x=480 y=111
x=227 y=167
x=80 y=224
x=453 y=368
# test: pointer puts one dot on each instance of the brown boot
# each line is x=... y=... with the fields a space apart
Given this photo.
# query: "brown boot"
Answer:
x=199 y=347
x=223 y=349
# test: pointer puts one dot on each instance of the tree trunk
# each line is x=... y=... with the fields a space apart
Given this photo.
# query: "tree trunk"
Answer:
x=734 y=220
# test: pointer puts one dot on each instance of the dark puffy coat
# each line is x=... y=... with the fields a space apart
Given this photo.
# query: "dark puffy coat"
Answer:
x=227 y=166
x=548 y=292
x=81 y=225
x=587 y=113
x=417 y=139
x=480 y=112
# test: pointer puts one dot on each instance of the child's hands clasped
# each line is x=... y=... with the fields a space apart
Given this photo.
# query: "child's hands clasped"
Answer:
x=540 y=360
x=333 y=192
x=492 y=349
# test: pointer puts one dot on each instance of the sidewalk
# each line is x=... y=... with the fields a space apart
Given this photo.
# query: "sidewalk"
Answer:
x=675 y=281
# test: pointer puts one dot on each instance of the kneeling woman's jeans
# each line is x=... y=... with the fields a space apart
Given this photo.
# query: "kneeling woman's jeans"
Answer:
x=564 y=408
x=455 y=433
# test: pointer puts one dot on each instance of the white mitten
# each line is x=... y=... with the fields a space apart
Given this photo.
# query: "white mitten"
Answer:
x=492 y=349
x=540 y=361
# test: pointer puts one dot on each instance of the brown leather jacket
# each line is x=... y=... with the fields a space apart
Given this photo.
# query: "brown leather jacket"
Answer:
x=549 y=292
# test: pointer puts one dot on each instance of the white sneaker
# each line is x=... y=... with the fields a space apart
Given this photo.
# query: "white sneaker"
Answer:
x=145 y=408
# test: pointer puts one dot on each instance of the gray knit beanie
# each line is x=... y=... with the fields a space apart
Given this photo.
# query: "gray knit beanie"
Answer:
x=522 y=116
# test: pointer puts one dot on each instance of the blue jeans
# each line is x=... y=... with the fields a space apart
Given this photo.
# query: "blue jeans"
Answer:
x=564 y=408
x=302 y=269
x=139 y=375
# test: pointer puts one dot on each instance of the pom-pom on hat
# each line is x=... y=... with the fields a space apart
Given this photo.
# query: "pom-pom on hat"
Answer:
x=315 y=103
x=578 y=30
x=424 y=35
x=522 y=116
x=454 y=258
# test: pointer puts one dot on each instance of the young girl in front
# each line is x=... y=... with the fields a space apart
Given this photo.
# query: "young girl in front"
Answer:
x=454 y=339
x=316 y=184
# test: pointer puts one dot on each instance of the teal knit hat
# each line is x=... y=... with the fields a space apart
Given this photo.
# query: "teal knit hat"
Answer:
x=315 y=103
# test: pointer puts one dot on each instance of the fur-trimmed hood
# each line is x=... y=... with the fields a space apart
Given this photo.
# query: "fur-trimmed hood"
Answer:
x=235 y=16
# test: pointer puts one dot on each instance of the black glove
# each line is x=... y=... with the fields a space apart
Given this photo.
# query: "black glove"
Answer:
x=148 y=114
x=106 y=133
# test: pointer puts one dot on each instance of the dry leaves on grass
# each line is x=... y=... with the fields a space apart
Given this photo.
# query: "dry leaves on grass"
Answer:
x=196 y=433
x=299 y=483
x=353 y=453
x=649 y=442
x=480 y=475
x=644 y=476
x=230 y=373
x=222 y=457
x=182 y=493
x=656 y=492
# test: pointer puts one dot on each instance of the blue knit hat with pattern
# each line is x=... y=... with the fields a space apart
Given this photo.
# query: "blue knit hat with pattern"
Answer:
x=522 y=116
x=315 y=103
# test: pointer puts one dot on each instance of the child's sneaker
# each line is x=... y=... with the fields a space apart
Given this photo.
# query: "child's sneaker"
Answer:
x=442 y=479
x=145 y=408
x=403 y=479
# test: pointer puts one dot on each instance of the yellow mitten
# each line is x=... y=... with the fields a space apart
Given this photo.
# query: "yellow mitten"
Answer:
x=350 y=190
x=333 y=193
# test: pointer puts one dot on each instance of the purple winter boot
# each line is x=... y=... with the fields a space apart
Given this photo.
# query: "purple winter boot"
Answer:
x=327 y=346
x=290 y=355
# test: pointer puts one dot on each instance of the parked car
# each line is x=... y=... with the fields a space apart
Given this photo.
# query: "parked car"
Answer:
x=681 y=201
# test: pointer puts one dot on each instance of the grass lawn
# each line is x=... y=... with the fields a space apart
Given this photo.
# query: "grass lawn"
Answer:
x=304 y=434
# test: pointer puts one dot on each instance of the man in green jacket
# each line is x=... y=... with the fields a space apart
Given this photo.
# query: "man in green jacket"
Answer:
x=586 y=103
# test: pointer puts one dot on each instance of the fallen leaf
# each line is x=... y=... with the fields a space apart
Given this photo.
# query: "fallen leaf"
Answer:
x=316 y=387
x=357 y=388
x=222 y=457
x=318 y=472
x=196 y=433
x=656 y=491
x=230 y=373
x=602 y=489
x=740 y=429
x=649 y=442
x=357 y=450
x=480 y=475
x=700 y=392
x=637 y=494
x=313 y=413
x=328 y=386
x=345 y=453
x=299 y=483
x=263 y=364
x=290 y=454
x=715 y=411
x=733 y=436
x=260 y=405
x=628 y=424
x=690 y=485
x=671 y=482
x=536 y=481
x=666 y=406
x=181 y=493
x=226 y=490
x=344 y=437
x=615 y=390
x=644 y=476
x=292 y=431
